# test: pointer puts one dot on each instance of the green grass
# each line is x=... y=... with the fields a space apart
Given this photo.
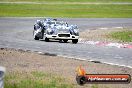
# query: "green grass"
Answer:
x=71 y=0
x=95 y=86
x=123 y=36
x=66 y=10
x=35 y=80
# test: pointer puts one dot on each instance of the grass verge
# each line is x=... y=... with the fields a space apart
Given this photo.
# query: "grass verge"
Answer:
x=110 y=35
x=35 y=80
x=124 y=36
x=68 y=0
x=66 y=10
x=32 y=70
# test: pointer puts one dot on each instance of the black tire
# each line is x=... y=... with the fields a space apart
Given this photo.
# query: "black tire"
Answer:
x=81 y=80
x=65 y=40
x=36 y=38
x=46 y=39
x=75 y=41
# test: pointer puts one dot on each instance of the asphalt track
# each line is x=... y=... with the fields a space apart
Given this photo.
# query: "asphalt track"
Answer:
x=17 y=33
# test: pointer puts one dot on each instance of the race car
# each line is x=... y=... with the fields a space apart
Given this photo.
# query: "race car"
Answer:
x=52 y=29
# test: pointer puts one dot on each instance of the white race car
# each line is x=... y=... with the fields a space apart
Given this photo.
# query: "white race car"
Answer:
x=53 y=29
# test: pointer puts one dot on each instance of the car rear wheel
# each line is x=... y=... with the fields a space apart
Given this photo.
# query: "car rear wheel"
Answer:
x=47 y=39
x=36 y=38
x=65 y=40
x=75 y=41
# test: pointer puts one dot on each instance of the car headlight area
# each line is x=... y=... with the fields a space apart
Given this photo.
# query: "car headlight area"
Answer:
x=76 y=32
x=50 y=31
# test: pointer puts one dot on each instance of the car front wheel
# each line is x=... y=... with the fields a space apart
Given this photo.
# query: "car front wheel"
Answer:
x=75 y=41
x=65 y=40
x=47 y=39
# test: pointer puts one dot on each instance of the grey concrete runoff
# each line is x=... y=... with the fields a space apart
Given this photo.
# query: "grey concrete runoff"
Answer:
x=2 y=73
x=17 y=33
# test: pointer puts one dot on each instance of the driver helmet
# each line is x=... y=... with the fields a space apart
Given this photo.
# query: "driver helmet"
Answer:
x=39 y=22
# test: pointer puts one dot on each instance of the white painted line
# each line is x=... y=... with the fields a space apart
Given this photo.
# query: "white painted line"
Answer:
x=117 y=64
x=115 y=45
x=40 y=52
x=103 y=28
x=82 y=59
x=118 y=27
x=90 y=60
x=109 y=44
x=72 y=57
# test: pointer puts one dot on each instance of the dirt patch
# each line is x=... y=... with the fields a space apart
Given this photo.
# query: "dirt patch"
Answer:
x=100 y=34
x=15 y=60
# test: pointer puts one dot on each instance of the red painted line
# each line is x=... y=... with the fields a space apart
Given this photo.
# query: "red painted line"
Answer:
x=102 y=43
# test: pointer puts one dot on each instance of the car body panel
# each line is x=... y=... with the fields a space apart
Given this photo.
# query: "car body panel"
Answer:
x=53 y=29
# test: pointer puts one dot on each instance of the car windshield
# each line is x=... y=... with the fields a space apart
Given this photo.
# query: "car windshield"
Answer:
x=61 y=23
x=50 y=22
x=47 y=19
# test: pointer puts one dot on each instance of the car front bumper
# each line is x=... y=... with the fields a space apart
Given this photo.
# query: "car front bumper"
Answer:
x=62 y=36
